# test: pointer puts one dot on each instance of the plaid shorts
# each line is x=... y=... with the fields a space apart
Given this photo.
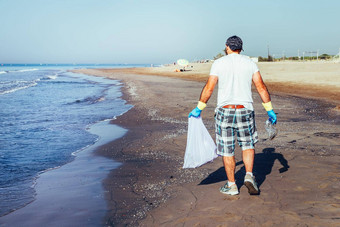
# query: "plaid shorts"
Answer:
x=230 y=122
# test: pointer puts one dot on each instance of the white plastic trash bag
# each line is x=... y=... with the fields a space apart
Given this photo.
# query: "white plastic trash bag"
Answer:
x=201 y=147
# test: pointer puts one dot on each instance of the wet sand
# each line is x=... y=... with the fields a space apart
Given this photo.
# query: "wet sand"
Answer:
x=298 y=172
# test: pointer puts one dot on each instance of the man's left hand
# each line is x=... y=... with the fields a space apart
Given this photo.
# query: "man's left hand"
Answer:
x=195 y=113
x=272 y=116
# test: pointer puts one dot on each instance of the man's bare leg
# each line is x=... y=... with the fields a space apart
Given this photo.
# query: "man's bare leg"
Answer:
x=249 y=180
x=229 y=166
x=248 y=159
x=230 y=188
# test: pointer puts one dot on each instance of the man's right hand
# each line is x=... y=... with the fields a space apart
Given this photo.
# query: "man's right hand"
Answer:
x=272 y=116
x=195 y=112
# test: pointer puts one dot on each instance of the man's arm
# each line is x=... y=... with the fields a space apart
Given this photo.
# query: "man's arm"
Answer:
x=265 y=96
x=261 y=87
x=208 y=89
x=205 y=96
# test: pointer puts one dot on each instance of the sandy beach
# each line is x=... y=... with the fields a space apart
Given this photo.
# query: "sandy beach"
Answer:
x=319 y=80
x=298 y=172
x=95 y=98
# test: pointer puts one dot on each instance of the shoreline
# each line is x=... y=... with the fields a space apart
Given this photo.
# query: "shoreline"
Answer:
x=80 y=178
x=141 y=189
x=48 y=142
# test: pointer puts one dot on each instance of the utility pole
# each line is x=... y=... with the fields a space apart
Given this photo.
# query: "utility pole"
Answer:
x=268 y=51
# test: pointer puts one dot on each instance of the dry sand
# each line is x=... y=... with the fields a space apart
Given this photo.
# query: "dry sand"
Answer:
x=298 y=172
x=319 y=80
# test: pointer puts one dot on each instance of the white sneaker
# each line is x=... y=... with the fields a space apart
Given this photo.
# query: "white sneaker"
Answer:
x=232 y=190
x=250 y=183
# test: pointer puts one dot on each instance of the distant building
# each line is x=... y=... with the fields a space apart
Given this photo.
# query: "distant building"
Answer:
x=255 y=59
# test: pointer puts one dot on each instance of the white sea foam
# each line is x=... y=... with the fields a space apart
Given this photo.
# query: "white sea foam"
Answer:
x=52 y=77
x=23 y=70
x=27 y=70
x=3 y=72
x=19 y=85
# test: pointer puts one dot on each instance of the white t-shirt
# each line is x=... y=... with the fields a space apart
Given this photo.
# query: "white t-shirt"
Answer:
x=234 y=73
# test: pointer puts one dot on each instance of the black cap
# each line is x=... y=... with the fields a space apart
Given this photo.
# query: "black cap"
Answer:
x=234 y=43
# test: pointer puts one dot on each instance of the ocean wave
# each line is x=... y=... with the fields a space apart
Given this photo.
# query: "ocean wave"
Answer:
x=50 y=77
x=67 y=82
x=90 y=100
x=23 y=70
x=13 y=86
x=53 y=77
x=3 y=72
x=27 y=70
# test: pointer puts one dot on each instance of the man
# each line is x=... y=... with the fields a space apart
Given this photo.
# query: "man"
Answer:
x=234 y=114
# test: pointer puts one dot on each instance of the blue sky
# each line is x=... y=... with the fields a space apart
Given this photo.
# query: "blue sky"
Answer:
x=160 y=31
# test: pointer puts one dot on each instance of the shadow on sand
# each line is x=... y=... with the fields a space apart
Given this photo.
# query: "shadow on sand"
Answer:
x=263 y=165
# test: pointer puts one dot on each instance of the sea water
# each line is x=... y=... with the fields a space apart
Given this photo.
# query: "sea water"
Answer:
x=44 y=114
